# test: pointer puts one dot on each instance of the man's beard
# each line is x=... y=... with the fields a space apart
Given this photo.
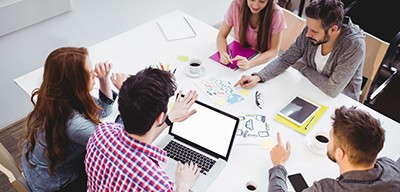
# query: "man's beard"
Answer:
x=330 y=156
x=316 y=43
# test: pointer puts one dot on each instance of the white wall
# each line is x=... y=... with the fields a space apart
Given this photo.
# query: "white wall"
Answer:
x=17 y=14
x=89 y=22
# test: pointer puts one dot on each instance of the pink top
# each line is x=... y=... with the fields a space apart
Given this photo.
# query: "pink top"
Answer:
x=232 y=18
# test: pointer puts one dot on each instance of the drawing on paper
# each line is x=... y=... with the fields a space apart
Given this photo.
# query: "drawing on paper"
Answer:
x=252 y=128
x=222 y=91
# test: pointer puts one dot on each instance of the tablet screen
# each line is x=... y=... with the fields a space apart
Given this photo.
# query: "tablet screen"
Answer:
x=299 y=110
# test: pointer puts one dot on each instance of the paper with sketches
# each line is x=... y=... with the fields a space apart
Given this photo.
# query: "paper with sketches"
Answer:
x=221 y=91
x=253 y=129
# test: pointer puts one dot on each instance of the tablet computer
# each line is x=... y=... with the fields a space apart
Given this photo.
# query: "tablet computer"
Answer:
x=299 y=110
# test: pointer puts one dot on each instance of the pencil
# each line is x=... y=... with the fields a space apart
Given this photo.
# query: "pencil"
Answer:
x=162 y=67
x=174 y=71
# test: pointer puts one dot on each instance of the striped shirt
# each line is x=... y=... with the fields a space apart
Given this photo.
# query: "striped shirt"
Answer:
x=116 y=161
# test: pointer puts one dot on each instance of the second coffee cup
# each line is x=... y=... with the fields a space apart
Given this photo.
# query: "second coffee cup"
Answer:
x=194 y=66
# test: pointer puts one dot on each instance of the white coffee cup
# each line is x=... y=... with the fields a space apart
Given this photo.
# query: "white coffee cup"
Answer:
x=251 y=186
x=194 y=66
x=319 y=141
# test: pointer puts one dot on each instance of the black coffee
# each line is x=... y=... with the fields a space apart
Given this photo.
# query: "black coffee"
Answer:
x=194 y=64
x=322 y=139
x=251 y=187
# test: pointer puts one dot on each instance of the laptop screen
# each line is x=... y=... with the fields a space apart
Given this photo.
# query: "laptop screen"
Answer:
x=209 y=129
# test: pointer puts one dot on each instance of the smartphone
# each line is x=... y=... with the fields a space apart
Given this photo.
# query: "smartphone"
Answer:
x=298 y=182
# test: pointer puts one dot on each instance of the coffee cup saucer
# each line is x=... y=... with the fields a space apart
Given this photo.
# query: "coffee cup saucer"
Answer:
x=310 y=146
x=201 y=72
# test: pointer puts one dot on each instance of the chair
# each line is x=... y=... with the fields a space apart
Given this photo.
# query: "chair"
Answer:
x=10 y=168
x=386 y=99
x=295 y=25
x=375 y=50
x=389 y=66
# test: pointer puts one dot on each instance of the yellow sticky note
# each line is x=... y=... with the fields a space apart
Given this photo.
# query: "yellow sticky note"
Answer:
x=244 y=92
x=183 y=58
x=220 y=101
x=268 y=143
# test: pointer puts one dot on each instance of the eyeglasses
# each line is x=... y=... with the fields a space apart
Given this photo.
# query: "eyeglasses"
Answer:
x=259 y=99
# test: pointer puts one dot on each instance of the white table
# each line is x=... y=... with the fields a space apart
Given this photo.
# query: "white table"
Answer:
x=145 y=45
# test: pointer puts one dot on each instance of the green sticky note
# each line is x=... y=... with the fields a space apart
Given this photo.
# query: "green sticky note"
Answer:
x=183 y=58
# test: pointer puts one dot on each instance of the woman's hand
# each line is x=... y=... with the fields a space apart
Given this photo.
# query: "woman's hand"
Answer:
x=102 y=70
x=118 y=79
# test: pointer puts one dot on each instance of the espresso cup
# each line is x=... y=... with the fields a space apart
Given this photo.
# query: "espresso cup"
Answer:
x=320 y=140
x=251 y=186
x=194 y=66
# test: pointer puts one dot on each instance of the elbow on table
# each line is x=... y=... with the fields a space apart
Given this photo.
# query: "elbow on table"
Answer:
x=331 y=93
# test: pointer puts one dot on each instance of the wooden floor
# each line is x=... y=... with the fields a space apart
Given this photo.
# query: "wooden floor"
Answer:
x=9 y=137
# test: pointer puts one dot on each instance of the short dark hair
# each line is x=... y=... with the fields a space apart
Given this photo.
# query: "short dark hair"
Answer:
x=330 y=12
x=143 y=97
x=359 y=134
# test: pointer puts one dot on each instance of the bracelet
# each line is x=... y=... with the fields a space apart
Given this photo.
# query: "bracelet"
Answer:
x=168 y=121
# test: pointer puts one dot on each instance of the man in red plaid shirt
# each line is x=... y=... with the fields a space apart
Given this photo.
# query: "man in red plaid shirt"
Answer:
x=120 y=157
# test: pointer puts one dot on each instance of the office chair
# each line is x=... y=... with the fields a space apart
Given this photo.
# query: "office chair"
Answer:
x=375 y=50
x=389 y=69
x=386 y=99
x=10 y=168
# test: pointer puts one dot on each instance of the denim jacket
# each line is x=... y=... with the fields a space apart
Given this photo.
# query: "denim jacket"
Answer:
x=79 y=130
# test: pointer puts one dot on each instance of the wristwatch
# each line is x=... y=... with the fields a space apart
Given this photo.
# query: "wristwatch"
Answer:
x=168 y=121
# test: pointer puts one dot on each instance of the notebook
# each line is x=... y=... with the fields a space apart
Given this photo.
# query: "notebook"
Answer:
x=234 y=48
x=209 y=132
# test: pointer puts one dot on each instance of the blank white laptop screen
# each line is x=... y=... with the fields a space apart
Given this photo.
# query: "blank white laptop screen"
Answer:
x=209 y=128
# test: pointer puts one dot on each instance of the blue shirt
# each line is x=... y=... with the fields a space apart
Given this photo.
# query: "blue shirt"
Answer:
x=79 y=129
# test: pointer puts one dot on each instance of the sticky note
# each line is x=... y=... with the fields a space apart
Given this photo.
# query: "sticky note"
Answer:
x=183 y=58
x=269 y=143
x=244 y=92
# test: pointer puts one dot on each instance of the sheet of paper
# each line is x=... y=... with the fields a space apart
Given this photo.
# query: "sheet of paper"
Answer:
x=176 y=27
x=253 y=129
x=221 y=91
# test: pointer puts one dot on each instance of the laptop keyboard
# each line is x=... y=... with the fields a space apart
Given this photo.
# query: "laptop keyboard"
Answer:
x=185 y=155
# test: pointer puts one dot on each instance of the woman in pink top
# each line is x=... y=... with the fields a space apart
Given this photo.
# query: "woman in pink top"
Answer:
x=257 y=24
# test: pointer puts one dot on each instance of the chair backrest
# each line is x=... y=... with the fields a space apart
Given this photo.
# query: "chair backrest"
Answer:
x=10 y=168
x=387 y=100
x=295 y=25
x=375 y=50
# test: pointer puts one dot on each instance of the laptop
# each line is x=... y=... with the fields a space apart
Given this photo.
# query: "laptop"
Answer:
x=209 y=134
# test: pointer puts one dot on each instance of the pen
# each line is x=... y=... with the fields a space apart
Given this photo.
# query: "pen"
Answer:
x=230 y=54
x=309 y=122
x=174 y=71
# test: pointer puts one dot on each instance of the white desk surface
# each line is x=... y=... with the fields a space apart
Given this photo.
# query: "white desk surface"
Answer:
x=145 y=45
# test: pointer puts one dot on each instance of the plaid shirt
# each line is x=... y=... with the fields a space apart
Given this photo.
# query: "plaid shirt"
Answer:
x=116 y=161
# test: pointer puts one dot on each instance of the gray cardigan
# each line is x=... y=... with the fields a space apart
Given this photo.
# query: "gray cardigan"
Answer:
x=343 y=70
x=385 y=176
